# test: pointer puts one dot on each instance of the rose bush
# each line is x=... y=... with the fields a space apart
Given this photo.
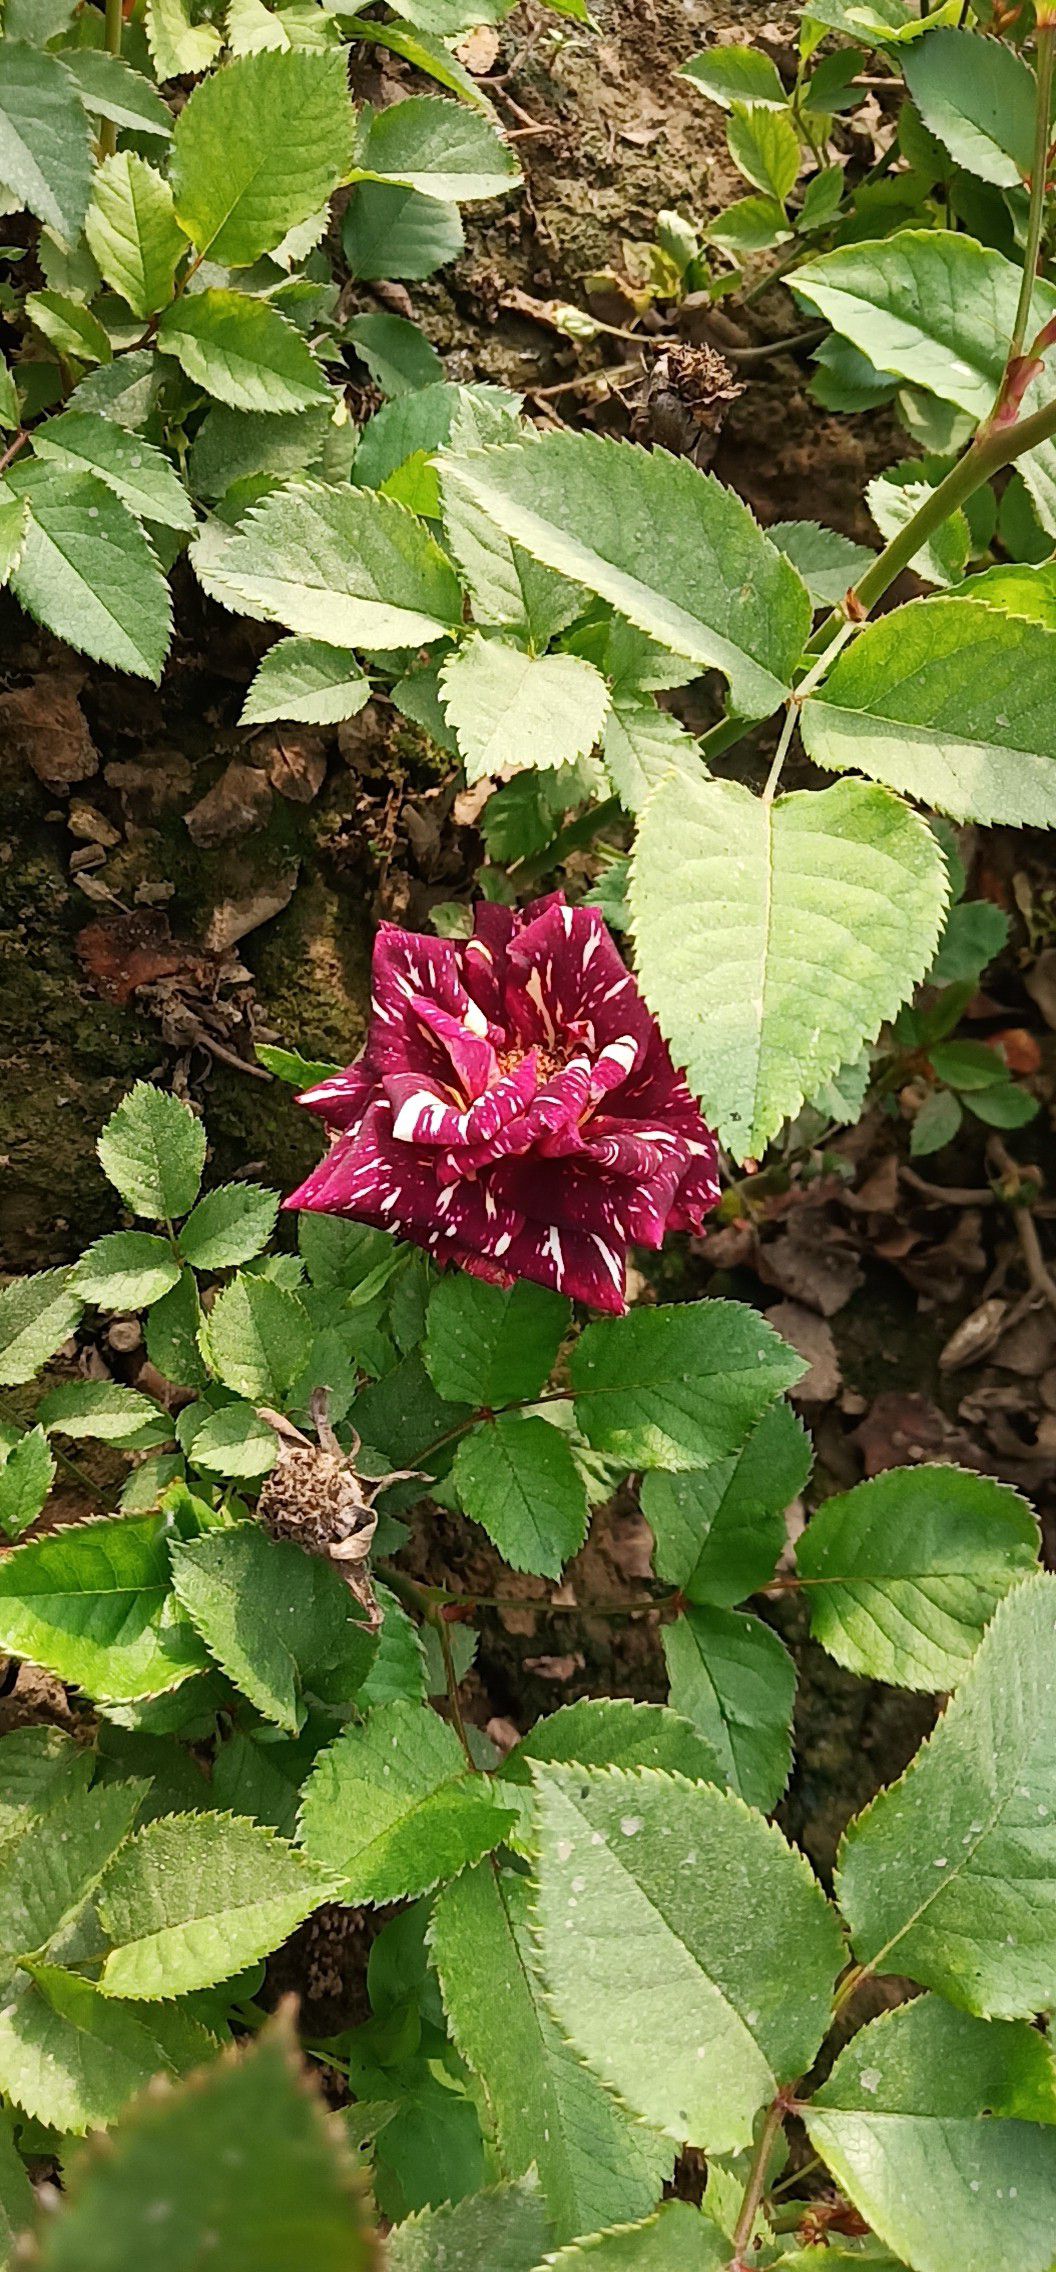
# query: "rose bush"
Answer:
x=515 y=1109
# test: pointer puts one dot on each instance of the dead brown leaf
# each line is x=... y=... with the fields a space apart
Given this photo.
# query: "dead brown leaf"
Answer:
x=45 y=728
x=294 y=761
x=812 y=1337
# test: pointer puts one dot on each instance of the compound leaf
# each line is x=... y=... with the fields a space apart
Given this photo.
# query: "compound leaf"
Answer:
x=667 y=545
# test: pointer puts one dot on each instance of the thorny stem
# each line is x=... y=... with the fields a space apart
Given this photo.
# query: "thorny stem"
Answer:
x=994 y=447
x=14 y=446
x=443 y=1632
x=1039 y=174
x=112 y=43
x=756 y=2186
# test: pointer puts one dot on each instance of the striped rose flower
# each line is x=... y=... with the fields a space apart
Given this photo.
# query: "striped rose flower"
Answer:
x=515 y=1109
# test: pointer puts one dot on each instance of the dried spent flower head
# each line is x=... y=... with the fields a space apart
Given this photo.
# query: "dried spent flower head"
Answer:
x=314 y=1497
x=515 y=1109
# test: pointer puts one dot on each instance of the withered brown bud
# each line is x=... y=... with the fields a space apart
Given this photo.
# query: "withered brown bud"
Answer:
x=315 y=1499
x=684 y=402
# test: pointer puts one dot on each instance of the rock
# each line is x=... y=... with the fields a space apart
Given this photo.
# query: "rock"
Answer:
x=238 y=802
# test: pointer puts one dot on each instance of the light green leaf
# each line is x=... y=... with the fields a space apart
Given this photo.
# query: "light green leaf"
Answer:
x=394 y=232
x=545 y=2110
x=719 y=1530
x=764 y=144
x=131 y=467
x=773 y=940
x=308 y=681
x=70 y=326
x=392 y=1807
x=36 y=1316
x=72 y=2058
x=937 y=310
x=893 y=497
x=229 y=1226
x=675 y=2239
x=641 y=745
x=235 y=1442
x=749 y=225
x=1019 y=590
x=950 y=1876
x=242 y=351
x=493 y=1344
x=193 y=1898
x=903 y=1572
x=58 y=1861
x=950 y=700
x=146 y=1483
x=505 y=584
x=735 y=75
x=505 y=2229
x=733 y=1678
x=164 y=2194
x=26 y=1477
x=708 y=2021
x=678 y=1386
x=14 y=521
x=510 y=710
x=179 y=48
x=344 y=566
x=257 y=1338
x=93 y=1604
x=110 y=88
x=45 y=143
x=106 y=1410
x=441 y=149
x=88 y=573
x=828 y=562
x=239 y=186
x=977 y=96
x=126 y=1270
x=306 y=1632
x=668 y=546
x=941 y=2131
x=133 y=233
x=518 y=1478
